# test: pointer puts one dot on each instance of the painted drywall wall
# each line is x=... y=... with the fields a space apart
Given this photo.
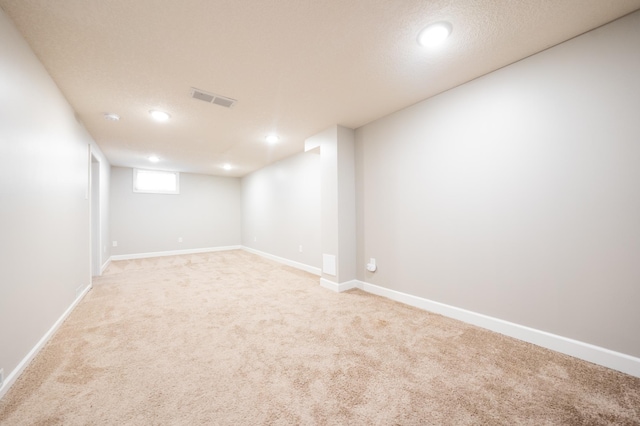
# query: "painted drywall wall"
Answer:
x=517 y=195
x=346 y=205
x=44 y=206
x=206 y=214
x=281 y=209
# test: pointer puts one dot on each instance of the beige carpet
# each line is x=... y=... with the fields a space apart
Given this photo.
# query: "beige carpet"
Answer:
x=230 y=338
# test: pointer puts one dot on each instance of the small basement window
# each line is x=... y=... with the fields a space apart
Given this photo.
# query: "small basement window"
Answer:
x=156 y=182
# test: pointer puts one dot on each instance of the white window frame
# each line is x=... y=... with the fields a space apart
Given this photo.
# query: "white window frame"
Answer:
x=148 y=191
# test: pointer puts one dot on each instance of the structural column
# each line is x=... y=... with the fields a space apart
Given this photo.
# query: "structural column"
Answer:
x=337 y=156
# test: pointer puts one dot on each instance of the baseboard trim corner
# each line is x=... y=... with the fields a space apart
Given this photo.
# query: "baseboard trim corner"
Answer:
x=340 y=287
x=605 y=357
x=13 y=375
x=172 y=253
x=311 y=269
x=105 y=266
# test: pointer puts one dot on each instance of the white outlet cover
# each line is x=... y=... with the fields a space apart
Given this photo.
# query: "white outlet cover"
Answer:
x=115 y=244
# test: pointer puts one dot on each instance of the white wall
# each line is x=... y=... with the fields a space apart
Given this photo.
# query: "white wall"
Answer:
x=44 y=209
x=206 y=214
x=281 y=209
x=517 y=195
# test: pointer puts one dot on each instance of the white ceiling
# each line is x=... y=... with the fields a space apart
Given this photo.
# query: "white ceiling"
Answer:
x=296 y=67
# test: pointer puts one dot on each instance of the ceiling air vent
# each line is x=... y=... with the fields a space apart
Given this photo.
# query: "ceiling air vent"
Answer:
x=212 y=98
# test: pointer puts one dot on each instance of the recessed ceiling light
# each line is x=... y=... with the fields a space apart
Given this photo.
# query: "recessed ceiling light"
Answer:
x=434 y=34
x=154 y=159
x=159 y=115
x=111 y=116
x=227 y=166
x=272 y=138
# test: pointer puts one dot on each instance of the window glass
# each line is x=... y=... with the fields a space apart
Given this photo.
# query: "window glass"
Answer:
x=156 y=182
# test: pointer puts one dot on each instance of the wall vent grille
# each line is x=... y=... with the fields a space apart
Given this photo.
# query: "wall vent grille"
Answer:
x=212 y=98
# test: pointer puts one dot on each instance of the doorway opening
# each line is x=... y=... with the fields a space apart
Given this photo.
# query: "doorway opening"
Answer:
x=94 y=202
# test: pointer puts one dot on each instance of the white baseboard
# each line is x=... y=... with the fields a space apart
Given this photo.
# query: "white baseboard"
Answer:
x=171 y=253
x=292 y=263
x=585 y=351
x=105 y=266
x=339 y=287
x=13 y=376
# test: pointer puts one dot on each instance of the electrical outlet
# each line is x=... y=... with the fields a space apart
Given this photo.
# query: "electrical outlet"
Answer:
x=255 y=239
x=115 y=244
x=300 y=249
x=1 y=377
x=180 y=239
x=371 y=266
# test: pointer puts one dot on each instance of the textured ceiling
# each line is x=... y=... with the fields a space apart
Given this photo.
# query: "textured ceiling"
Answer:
x=296 y=67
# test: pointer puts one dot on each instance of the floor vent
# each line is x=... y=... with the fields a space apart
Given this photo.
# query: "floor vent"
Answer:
x=212 y=98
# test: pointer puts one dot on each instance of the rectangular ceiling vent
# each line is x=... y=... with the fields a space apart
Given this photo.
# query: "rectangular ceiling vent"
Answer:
x=212 y=98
